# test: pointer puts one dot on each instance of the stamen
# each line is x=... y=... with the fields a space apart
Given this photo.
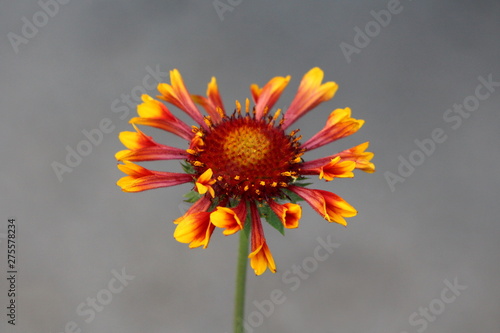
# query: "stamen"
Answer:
x=276 y=115
x=238 y=107
x=247 y=106
x=198 y=164
x=207 y=121
x=219 y=111
x=265 y=111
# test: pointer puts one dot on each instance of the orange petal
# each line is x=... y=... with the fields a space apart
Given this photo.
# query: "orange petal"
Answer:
x=178 y=95
x=356 y=154
x=329 y=205
x=339 y=125
x=199 y=206
x=156 y=114
x=213 y=102
x=194 y=229
x=267 y=96
x=311 y=92
x=260 y=257
x=361 y=157
x=141 y=179
x=144 y=148
x=288 y=213
x=232 y=219
x=204 y=183
x=337 y=169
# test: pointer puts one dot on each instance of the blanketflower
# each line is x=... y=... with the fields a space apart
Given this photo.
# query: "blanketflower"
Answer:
x=243 y=165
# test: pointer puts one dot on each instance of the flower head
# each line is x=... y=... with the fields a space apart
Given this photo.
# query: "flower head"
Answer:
x=243 y=165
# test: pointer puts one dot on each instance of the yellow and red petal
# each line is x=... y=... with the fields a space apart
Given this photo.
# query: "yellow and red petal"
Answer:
x=335 y=168
x=231 y=219
x=213 y=102
x=329 y=205
x=356 y=154
x=260 y=256
x=268 y=95
x=144 y=148
x=201 y=205
x=177 y=94
x=141 y=179
x=194 y=229
x=154 y=113
x=288 y=213
x=204 y=183
x=339 y=125
x=361 y=157
x=311 y=92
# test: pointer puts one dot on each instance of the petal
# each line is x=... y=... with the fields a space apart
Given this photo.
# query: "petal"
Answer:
x=213 y=102
x=178 y=95
x=260 y=257
x=361 y=157
x=335 y=168
x=310 y=93
x=288 y=213
x=144 y=148
x=194 y=229
x=156 y=114
x=199 y=206
x=232 y=219
x=267 y=96
x=204 y=182
x=356 y=154
x=339 y=125
x=329 y=205
x=141 y=179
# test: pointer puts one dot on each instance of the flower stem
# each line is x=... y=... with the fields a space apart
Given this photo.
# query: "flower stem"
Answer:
x=241 y=274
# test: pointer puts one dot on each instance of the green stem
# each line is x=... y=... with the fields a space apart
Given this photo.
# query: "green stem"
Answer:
x=241 y=274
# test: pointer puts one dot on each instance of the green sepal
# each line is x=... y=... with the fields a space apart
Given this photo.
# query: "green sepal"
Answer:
x=248 y=223
x=271 y=218
x=292 y=196
x=187 y=167
x=192 y=196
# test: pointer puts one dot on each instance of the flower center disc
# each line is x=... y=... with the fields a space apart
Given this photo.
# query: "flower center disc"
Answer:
x=248 y=156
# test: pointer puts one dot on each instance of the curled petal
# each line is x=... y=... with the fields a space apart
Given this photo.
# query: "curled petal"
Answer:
x=232 y=219
x=199 y=206
x=204 y=183
x=335 y=168
x=361 y=157
x=213 y=102
x=356 y=154
x=156 y=114
x=288 y=213
x=141 y=179
x=144 y=148
x=268 y=95
x=194 y=229
x=178 y=95
x=329 y=205
x=311 y=92
x=260 y=257
x=339 y=125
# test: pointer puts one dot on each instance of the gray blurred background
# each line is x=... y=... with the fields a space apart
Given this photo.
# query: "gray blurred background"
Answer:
x=393 y=266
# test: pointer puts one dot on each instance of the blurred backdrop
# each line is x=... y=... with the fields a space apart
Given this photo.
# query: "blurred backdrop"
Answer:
x=421 y=255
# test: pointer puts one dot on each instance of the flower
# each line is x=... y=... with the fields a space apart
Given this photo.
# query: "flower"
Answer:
x=243 y=165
